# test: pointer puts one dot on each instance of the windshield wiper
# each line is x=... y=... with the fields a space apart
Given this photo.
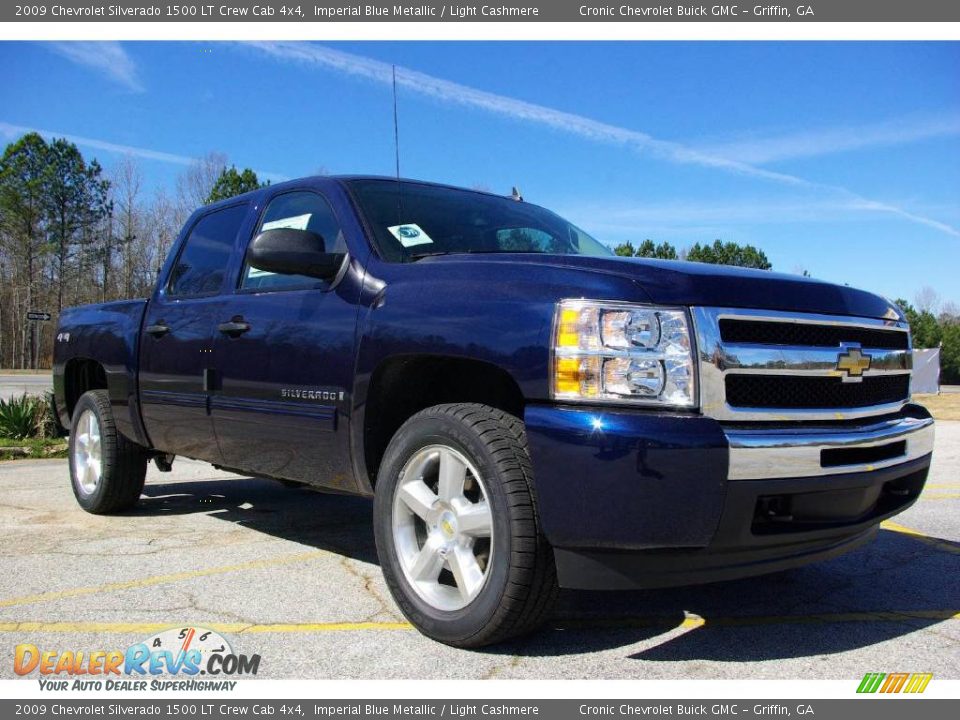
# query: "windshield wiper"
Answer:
x=418 y=256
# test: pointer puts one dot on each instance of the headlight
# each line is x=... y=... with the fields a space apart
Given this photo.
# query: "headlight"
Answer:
x=622 y=352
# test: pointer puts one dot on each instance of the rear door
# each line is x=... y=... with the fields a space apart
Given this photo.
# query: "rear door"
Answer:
x=176 y=365
x=285 y=352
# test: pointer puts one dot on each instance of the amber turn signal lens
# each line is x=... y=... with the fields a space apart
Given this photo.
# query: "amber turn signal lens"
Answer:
x=568 y=333
x=568 y=375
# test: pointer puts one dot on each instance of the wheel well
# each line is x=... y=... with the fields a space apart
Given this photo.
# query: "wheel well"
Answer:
x=79 y=376
x=401 y=387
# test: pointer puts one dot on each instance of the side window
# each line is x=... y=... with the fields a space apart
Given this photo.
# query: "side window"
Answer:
x=522 y=239
x=203 y=260
x=302 y=210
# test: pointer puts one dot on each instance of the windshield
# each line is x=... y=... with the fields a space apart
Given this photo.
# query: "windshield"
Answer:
x=411 y=220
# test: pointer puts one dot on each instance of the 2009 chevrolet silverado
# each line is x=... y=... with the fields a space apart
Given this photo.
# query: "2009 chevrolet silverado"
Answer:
x=527 y=410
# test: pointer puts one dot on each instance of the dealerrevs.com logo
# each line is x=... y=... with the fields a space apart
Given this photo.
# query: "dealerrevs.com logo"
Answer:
x=187 y=658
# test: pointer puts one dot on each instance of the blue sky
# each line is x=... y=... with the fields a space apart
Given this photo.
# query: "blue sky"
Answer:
x=840 y=158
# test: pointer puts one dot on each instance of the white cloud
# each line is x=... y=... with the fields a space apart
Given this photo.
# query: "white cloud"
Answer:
x=745 y=211
x=715 y=214
x=827 y=141
x=108 y=58
x=14 y=131
x=454 y=93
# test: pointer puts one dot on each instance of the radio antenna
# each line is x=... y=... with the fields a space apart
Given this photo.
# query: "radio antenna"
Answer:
x=396 y=124
x=396 y=147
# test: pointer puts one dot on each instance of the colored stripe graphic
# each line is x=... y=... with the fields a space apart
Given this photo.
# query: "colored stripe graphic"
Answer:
x=918 y=682
x=894 y=682
x=870 y=682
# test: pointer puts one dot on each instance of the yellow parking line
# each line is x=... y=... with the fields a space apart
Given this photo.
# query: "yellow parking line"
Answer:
x=692 y=621
x=689 y=622
x=939 y=496
x=325 y=627
x=161 y=579
x=945 y=545
x=231 y=627
x=952 y=486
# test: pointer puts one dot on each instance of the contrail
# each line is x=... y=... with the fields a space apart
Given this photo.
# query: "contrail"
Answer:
x=454 y=93
x=108 y=58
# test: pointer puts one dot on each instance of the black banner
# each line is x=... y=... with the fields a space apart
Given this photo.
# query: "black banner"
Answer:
x=328 y=11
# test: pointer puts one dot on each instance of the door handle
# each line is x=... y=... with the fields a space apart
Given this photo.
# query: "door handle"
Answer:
x=158 y=330
x=234 y=327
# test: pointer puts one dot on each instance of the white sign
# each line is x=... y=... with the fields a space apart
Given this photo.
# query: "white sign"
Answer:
x=410 y=235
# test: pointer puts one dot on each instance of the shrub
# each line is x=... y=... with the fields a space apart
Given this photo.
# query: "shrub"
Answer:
x=27 y=416
x=47 y=422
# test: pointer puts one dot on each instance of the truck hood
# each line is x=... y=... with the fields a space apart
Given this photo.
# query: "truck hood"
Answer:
x=672 y=282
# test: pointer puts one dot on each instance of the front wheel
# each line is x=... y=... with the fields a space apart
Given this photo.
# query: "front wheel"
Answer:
x=457 y=530
x=107 y=470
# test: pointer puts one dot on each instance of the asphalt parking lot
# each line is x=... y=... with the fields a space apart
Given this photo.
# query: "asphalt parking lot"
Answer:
x=292 y=575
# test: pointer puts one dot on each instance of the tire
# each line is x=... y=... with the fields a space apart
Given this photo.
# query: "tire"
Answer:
x=432 y=541
x=107 y=471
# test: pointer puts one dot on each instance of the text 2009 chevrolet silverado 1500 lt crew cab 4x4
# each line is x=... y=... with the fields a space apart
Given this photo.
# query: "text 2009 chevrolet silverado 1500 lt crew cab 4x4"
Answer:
x=527 y=410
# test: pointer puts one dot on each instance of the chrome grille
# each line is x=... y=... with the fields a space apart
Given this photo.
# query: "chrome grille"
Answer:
x=799 y=334
x=764 y=365
x=805 y=392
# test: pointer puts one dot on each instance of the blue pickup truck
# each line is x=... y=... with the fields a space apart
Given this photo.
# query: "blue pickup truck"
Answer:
x=527 y=410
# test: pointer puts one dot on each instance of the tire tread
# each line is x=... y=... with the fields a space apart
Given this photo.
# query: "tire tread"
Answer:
x=532 y=587
x=124 y=462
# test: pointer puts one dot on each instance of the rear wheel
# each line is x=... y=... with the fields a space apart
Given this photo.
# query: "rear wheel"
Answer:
x=457 y=529
x=107 y=470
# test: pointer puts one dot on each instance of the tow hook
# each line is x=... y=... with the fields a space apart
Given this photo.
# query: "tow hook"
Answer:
x=164 y=462
x=775 y=509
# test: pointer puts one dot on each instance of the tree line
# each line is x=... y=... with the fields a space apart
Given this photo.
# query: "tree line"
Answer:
x=73 y=233
x=719 y=253
x=935 y=324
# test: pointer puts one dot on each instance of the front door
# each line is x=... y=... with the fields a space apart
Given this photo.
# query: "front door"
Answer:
x=285 y=352
x=176 y=347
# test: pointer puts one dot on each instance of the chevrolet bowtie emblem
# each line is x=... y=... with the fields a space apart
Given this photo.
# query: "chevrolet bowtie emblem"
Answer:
x=853 y=363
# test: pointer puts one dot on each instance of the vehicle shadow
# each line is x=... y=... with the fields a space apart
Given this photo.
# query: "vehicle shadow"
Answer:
x=889 y=588
x=339 y=523
x=892 y=587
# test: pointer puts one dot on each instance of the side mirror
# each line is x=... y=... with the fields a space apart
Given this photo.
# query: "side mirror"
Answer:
x=293 y=252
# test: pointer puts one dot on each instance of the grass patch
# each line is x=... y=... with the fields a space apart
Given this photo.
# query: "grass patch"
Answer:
x=32 y=448
x=945 y=406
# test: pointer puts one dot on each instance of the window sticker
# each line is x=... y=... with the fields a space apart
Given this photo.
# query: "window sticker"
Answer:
x=297 y=222
x=410 y=235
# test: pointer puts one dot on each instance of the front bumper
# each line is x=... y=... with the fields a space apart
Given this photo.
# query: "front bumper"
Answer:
x=636 y=499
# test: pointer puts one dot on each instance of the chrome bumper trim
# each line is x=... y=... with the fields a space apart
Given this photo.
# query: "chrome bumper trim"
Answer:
x=781 y=360
x=795 y=452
